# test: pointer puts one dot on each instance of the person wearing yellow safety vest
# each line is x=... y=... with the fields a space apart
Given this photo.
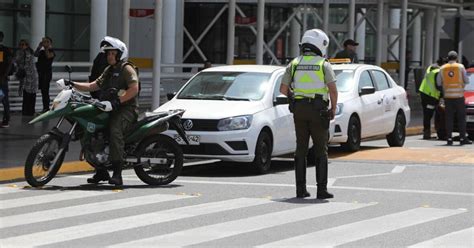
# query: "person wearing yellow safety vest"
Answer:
x=310 y=83
x=429 y=95
x=452 y=77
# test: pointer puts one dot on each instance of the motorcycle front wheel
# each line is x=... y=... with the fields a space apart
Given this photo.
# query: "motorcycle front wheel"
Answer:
x=39 y=169
x=161 y=160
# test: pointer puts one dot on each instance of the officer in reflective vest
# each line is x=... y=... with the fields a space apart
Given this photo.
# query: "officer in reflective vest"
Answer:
x=452 y=77
x=429 y=95
x=310 y=80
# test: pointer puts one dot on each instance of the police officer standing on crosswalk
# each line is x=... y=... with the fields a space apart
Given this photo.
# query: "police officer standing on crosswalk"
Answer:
x=310 y=83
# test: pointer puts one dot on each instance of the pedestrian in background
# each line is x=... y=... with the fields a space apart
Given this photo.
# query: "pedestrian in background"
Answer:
x=452 y=77
x=430 y=95
x=24 y=60
x=6 y=59
x=99 y=64
x=45 y=54
x=311 y=82
x=349 y=51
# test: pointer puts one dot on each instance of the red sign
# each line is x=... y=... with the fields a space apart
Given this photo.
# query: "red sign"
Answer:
x=141 y=12
x=245 y=20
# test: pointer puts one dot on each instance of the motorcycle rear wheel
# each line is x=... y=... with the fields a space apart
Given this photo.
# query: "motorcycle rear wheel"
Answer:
x=38 y=168
x=168 y=152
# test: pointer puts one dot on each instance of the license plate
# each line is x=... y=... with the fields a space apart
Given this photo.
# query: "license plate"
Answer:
x=193 y=139
x=470 y=118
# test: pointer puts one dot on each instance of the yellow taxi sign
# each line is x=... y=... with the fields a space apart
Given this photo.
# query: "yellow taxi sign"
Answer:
x=340 y=61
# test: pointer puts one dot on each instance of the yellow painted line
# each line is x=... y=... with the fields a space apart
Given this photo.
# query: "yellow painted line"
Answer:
x=67 y=167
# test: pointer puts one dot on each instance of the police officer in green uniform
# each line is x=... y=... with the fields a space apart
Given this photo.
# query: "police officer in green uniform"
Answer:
x=122 y=75
x=430 y=95
x=310 y=83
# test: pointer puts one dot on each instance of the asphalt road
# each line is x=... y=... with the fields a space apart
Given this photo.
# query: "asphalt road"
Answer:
x=390 y=203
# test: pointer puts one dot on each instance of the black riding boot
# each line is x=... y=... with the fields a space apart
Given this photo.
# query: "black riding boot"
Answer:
x=300 y=175
x=322 y=178
x=100 y=175
x=116 y=178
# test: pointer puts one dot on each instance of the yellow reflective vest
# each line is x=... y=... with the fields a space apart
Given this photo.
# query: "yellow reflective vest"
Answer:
x=308 y=77
x=428 y=85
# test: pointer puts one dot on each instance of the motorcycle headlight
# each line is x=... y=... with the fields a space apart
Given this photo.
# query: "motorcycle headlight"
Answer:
x=339 y=107
x=235 y=123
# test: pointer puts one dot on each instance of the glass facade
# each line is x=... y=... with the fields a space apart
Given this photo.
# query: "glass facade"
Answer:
x=67 y=23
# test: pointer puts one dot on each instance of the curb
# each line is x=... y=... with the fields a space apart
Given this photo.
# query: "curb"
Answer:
x=17 y=173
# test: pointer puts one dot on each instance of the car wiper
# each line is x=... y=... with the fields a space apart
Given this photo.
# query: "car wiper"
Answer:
x=191 y=97
x=227 y=98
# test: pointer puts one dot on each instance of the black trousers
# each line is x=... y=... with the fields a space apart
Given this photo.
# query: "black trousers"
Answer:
x=5 y=102
x=29 y=102
x=44 y=79
x=429 y=106
x=455 y=108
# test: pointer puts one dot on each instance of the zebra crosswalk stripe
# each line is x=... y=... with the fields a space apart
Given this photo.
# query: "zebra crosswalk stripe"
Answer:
x=48 y=198
x=367 y=228
x=91 y=208
x=124 y=223
x=459 y=239
x=251 y=224
x=8 y=190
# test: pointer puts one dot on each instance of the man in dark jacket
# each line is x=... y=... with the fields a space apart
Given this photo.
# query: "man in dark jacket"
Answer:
x=349 y=51
x=5 y=64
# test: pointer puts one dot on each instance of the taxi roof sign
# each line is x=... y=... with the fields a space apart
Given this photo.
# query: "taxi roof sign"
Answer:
x=340 y=61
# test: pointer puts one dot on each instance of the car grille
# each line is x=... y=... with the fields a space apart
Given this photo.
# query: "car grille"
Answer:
x=200 y=125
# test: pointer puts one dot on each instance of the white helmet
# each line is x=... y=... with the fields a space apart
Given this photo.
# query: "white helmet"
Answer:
x=111 y=43
x=317 y=38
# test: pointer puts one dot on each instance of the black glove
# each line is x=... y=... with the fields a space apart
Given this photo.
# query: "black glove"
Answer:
x=115 y=103
x=68 y=82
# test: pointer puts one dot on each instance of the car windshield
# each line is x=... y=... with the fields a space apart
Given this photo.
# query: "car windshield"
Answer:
x=226 y=86
x=345 y=80
x=470 y=85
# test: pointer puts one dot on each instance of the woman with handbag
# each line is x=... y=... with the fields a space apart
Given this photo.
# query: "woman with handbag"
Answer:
x=28 y=77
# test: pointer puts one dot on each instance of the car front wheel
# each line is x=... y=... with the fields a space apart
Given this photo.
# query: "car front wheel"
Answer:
x=263 y=153
x=353 y=135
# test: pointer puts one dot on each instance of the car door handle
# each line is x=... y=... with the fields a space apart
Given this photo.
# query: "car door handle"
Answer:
x=380 y=101
x=394 y=98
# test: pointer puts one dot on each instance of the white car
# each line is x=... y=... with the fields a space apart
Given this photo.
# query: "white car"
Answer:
x=236 y=113
x=370 y=104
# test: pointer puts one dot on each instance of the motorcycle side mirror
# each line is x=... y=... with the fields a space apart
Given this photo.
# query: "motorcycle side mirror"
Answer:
x=68 y=68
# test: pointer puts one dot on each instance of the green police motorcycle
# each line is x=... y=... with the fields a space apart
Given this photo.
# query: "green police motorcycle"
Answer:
x=156 y=158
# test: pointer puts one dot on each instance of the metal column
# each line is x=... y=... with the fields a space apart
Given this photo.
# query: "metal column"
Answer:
x=231 y=32
x=38 y=21
x=416 y=39
x=394 y=25
x=295 y=35
x=360 y=37
x=326 y=17
x=403 y=43
x=460 y=11
x=98 y=26
x=169 y=33
x=126 y=22
x=428 y=58
x=378 y=52
x=351 y=21
x=155 y=90
x=260 y=27
x=437 y=32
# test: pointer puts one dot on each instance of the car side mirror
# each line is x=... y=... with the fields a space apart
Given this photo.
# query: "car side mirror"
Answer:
x=280 y=100
x=170 y=96
x=367 y=90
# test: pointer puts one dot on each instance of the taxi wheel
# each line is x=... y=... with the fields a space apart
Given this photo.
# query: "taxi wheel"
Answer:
x=397 y=136
x=263 y=153
x=353 y=135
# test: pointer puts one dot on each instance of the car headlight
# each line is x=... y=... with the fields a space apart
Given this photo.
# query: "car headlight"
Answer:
x=235 y=123
x=339 y=107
